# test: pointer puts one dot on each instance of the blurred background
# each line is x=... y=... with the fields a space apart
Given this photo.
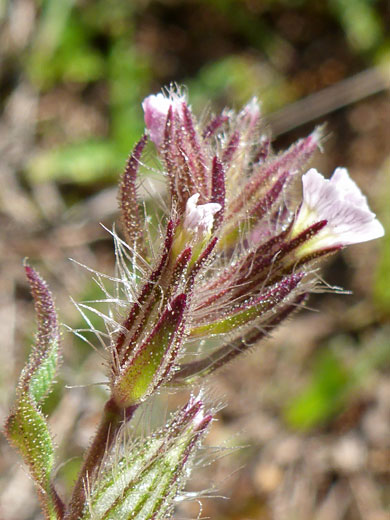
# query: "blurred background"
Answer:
x=310 y=408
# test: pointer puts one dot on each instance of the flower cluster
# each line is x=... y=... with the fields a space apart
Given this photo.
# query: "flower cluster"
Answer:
x=238 y=251
x=236 y=256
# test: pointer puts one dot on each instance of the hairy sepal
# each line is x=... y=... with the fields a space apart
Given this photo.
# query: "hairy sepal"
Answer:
x=256 y=309
x=151 y=364
x=191 y=372
x=137 y=316
x=292 y=159
x=128 y=202
x=144 y=483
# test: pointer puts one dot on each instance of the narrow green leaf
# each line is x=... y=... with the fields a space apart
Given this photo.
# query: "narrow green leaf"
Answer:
x=28 y=432
x=26 y=427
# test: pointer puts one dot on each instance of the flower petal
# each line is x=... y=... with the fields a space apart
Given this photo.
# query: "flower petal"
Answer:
x=200 y=218
x=340 y=202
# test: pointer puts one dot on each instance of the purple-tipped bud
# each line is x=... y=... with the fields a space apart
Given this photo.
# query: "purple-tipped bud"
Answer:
x=156 y=108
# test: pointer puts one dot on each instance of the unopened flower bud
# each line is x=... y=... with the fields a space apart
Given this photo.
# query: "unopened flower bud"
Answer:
x=146 y=481
x=153 y=361
x=156 y=108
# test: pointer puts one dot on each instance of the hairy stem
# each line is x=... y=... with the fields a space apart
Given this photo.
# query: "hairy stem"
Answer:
x=58 y=503
x=112 y=419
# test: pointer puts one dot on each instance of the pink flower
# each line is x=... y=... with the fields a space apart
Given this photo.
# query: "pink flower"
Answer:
x=156 y=109
x=340 y=202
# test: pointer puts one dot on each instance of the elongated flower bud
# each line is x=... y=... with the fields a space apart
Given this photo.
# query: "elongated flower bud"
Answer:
x=156 y=110
x=152 y=360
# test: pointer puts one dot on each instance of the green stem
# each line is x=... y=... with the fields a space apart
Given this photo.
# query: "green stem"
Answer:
x=112 y=420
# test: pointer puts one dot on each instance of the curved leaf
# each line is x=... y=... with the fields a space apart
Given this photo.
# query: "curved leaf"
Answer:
x=26 y=427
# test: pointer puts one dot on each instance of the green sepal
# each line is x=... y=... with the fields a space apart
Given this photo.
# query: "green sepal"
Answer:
x=229 y=323
x=43 y=377
x=247 y=313
x=151 y=364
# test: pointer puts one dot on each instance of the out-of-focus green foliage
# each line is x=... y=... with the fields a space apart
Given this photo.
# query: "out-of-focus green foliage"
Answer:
x=239 y=78
x=129 y=75
x=324 y=394
x=334 y=380
x=83 y=45
x=382 y=285
x=81 y=162
x=361 y=22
